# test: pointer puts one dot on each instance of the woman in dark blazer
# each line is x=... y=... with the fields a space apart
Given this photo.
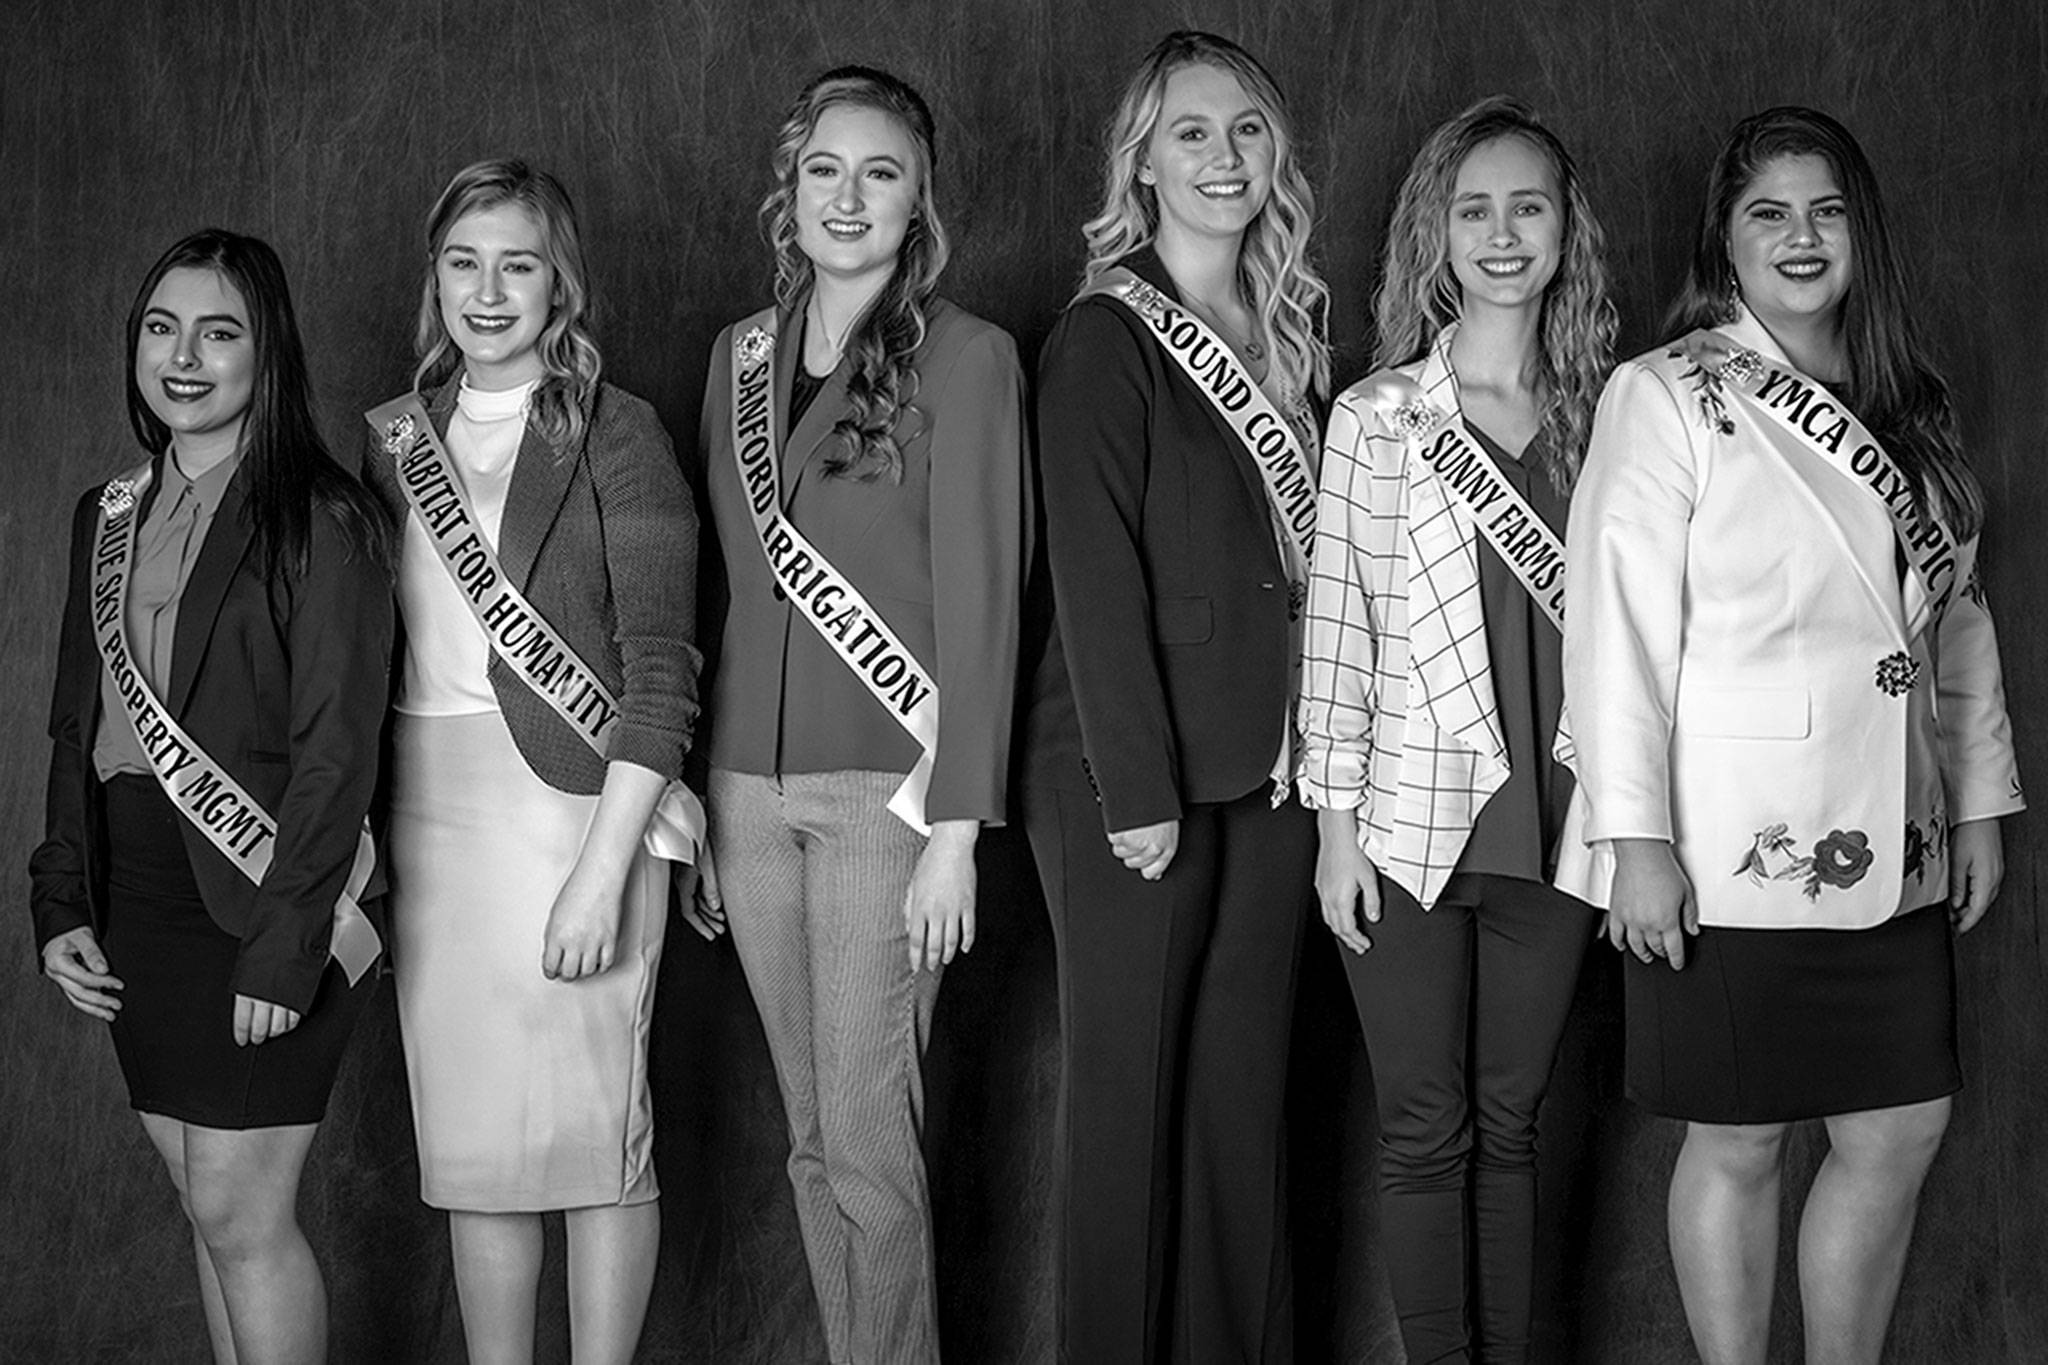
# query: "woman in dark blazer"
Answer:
x=528 y=888
x=1160 y=743
x=867 y=481
x=255 y=620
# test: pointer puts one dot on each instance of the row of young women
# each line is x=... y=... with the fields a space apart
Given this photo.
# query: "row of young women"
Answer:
x=1785 y=721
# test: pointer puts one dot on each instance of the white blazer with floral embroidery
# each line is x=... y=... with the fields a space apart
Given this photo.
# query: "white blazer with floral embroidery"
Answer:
x=1737 y=649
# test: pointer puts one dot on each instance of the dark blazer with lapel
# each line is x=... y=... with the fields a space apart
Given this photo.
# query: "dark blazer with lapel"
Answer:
x=283 y=683
x=1164 y=674
x=602 y=539
x=939 y=553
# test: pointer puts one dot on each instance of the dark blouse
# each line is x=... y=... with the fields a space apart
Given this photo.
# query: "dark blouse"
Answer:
x=1517 y=830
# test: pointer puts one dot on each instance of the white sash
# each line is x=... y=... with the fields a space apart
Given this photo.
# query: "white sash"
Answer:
x=1823 y=424
x=514 y=628
x=828 y=601
x=1441 y=442
x=1284 y=469
x=233 y=821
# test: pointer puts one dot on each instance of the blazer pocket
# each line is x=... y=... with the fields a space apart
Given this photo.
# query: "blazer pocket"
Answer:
x=1746 y=712
x=1182 y=620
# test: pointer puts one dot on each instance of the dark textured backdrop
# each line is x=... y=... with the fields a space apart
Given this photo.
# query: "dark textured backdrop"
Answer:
x=327 y=127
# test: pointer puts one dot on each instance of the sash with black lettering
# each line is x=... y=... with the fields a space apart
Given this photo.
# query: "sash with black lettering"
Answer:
x=513 y=627
x=1442 y=443
x=824 y=597
x=233 y=821
x=1823 y=424
x=1283 y=467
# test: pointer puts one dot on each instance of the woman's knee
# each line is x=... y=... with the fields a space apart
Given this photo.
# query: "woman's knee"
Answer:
x=1905 y=1138
x=1748 y=1153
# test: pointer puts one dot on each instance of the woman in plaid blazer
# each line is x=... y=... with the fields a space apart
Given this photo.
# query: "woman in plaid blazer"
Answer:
x=1432 y=690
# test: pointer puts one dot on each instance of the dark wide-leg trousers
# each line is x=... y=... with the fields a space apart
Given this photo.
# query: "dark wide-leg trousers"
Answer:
x=1176 y=1001
x=1462 y=1009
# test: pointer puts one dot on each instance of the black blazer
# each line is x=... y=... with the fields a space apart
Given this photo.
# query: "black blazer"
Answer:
x=1164 y=675
x=602 y=539
x=283 y=682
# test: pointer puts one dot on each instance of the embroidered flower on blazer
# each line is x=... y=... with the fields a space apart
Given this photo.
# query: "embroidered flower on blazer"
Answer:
x=1840 y=860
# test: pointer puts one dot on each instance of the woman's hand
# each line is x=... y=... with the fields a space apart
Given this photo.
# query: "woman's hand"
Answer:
x=697 y=887
x=583 y=927
x=74 y=961
x=258 y=1021
x=1347 y=887
x=1652 y=908
x=1147 y=850
x=938 y=910
x=1976 y=865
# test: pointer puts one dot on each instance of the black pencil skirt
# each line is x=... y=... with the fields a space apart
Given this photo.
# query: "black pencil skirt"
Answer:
x=174 y=1033
x=1773 y=1025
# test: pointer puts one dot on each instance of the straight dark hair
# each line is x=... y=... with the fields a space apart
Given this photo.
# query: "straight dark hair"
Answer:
x=1892 y=382
x=290 y=471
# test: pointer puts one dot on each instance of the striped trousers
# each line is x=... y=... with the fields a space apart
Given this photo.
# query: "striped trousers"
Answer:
x=814 y=869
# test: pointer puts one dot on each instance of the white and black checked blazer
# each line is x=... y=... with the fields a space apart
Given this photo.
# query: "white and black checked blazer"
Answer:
x=1397 y=709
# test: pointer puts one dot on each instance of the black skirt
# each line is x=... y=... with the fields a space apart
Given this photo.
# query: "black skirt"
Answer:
x=1772 y=1025
x=174 y=1033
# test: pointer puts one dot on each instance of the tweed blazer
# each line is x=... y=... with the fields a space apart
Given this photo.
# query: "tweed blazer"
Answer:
x=1165 y=676
x=1398 y=711
x=283 y=682
x=1748 y=677
x=940 y=553
x=602 y=538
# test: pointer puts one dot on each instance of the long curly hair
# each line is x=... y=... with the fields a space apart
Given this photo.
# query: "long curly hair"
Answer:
x=1419 y=294
x=1286 y=294
x=883 y=383
x=291 y=472
x=570 y=360
x=1892 y=384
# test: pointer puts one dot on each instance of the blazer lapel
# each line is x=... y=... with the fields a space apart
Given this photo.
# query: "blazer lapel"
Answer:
x=540 y=480
x=1147 y=267
x=1834 y=493
x=805 y=440
x=227 y=541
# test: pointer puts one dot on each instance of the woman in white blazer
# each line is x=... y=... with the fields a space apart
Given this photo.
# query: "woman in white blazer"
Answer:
x=1431 y=688
x=1791 y=735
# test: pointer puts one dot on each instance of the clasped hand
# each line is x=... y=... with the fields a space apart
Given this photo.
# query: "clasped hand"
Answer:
x=1147 y=850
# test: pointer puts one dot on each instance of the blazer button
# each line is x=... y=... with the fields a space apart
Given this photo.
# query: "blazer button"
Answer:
x=780 y=595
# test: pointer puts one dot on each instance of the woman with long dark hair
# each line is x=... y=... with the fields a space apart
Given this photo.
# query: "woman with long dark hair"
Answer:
x=220 y=685
x=546 y=699
x=1432 y=685
x=1793 y=749
x=1176 y=420
x=864 y=449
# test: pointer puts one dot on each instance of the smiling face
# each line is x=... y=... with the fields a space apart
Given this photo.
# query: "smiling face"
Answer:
x=1210 y=157
x=195 y=359
x=497 y=291
x=1788 y=239
x=1506 y=230
x=857 y=192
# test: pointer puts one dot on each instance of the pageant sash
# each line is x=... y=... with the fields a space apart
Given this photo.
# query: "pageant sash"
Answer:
x=514 y=628
x=233 y=821
x=1213 y=367
x=1823 y=424
x=1467 y=471
x=830 y=604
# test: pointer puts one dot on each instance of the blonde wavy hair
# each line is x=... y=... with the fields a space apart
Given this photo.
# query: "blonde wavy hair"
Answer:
x=1286 y=293
x=568 y=352
x=1419 y=294
x=885 y=340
